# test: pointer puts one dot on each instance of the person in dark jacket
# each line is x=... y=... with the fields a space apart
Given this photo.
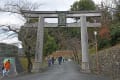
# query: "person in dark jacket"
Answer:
x=52 y=59
x=60 y=60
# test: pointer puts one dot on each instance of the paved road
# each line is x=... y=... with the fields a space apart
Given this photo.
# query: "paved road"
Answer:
x=66 y=71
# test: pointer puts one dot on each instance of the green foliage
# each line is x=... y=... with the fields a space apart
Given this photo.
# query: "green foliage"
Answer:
x=115 y=33
x=50 y=44
x=83 y=5
x=114 y=37
x=103 y=43
x=74 y=32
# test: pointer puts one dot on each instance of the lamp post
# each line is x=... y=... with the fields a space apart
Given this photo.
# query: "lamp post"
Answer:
x=96 y=50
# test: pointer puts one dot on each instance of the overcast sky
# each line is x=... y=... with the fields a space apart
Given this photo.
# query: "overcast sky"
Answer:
x=47 y=5
x=58 y=5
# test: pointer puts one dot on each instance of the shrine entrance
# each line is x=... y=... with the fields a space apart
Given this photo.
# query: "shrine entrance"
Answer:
x=62 y=16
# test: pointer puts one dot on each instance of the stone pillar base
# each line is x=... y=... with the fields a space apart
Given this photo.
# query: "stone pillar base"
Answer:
x=36 y=67
x=85 y=67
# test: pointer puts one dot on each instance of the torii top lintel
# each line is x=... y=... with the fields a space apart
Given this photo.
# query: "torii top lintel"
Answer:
x=54 y=14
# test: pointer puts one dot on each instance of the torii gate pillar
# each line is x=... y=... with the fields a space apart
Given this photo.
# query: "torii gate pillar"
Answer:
x=39 y=46
x=84 y=44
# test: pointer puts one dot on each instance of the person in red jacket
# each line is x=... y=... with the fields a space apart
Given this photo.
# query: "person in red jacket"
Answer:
x=7 y=67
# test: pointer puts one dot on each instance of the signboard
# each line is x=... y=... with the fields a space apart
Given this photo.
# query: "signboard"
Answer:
x=12 y=62
x=61 y=19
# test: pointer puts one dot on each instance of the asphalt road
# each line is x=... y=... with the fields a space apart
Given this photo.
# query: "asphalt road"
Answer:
x=66 y=71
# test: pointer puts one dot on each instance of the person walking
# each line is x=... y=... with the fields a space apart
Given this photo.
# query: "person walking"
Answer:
x=49 y=61
x=53 y=60
x=3 y=70
x=6 y=68
x=60 y=60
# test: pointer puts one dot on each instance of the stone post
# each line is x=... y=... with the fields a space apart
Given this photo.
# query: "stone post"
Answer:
x=84 y=44
x=39 y=45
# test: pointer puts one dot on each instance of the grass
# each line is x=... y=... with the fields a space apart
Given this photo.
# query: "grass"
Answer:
x=24 y=62
x=92 y=50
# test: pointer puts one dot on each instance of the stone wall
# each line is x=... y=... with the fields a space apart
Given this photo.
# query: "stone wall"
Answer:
x=109 y=62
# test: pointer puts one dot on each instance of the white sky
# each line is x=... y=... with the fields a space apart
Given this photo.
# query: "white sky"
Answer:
x=47 y=5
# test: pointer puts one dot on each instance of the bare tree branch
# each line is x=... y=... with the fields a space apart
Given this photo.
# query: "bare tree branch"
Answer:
x=19 y=5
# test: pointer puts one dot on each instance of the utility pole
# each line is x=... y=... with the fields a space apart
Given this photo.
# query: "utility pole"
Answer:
x=96 y=50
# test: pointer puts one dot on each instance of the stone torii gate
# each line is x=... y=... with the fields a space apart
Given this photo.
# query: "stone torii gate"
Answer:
x=61 y=15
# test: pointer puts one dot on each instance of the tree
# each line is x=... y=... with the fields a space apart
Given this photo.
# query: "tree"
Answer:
x=50 y=43
x=74 y=45
x=83 y=5
x=109 y=32
x=28 y=38
x=115 y=33
x=16 y=7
